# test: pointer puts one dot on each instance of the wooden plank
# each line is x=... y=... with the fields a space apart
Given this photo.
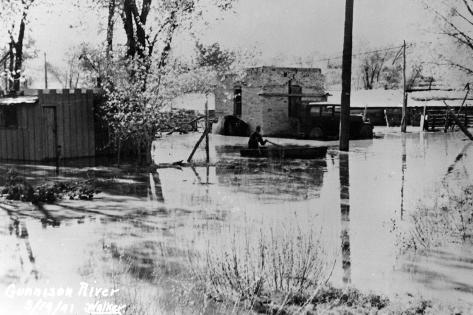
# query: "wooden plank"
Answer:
x=38 y=126
x=60 y=124
x=20 y=144
x=30 y=131
x=7 y=144
x=67 y=129
x=3 y=144
x=91 y=122
x=6 y=149
x=31 y=127
x=13 y=138
x=86 y=124
x=20 y=132
x=206 y=131
x=11 y=148
x=82 y=125
x=73 y=126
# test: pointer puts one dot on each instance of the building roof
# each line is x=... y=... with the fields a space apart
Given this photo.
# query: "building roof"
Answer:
x=369 y=98
x=18 y=100
x=393 y=98
x=440 y=95
x=285 y=68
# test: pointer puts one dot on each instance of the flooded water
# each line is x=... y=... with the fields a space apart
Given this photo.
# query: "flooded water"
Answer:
x=141 y=231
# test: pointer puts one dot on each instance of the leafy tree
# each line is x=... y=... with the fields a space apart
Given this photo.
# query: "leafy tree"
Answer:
x=141 y=83
x=142 y=78
x=214 y=56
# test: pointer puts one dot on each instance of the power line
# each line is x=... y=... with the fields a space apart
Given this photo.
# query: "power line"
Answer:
x=367 y=52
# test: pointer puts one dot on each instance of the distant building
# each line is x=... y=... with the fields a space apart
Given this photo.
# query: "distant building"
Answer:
x=42 y=123
x=269 y=97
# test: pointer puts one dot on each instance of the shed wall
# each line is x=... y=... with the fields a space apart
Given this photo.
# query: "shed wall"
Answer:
x=75 y=128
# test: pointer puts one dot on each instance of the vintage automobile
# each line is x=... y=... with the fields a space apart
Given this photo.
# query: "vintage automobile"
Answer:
x=322 y=121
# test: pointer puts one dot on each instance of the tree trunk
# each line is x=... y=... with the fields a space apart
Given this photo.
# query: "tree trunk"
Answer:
x=149 y=158
x=118 y=152
x=168 y=42
x=19 y=56
x=12 y=65
x=110 y=27
x=127 y=18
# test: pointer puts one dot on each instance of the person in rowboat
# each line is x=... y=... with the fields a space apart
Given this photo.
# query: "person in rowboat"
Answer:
x=256 y=139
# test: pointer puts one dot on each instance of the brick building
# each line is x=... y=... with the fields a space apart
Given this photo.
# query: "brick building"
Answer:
x=269 y=97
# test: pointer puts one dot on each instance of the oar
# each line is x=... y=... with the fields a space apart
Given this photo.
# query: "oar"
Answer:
x=273 y=143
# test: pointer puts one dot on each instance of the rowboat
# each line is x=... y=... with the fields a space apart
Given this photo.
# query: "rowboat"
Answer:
x=286 y=152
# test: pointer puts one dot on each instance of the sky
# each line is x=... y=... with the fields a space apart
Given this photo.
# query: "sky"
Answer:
x=307 y=26
x=275 y=28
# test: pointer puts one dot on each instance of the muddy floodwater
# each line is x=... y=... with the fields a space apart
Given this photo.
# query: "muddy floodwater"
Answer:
x=139 y=234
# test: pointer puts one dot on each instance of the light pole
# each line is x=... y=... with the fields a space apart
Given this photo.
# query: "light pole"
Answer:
x=346 y=78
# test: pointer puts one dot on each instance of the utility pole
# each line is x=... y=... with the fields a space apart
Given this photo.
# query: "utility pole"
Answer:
x=404 y=95
x=346 y=78
x=45 y=72
x=207 y=153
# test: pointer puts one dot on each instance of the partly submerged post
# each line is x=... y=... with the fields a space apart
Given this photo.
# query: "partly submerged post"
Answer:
x=205 y=134
x=346 y=78
x=458 y=122
x=404 y=94
x=424 y=119
x=207 y=153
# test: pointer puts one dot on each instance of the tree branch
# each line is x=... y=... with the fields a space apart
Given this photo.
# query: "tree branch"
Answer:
x=468 y=7
x=459 y=66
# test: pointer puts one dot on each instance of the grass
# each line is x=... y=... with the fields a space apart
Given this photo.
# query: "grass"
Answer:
x=264 y=270
x=448 y=221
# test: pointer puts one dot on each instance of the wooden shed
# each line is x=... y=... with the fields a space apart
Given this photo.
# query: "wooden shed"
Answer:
x=43 y=123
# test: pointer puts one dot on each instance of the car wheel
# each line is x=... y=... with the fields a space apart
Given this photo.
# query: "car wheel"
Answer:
x=366 y=132
x=316 y=133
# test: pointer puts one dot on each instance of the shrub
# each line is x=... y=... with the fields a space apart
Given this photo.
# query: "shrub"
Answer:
x=277 y=269
x=17 y=188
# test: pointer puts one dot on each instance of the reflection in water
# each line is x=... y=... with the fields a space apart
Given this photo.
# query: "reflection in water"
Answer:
x=344 y=176
x=287 y=180
x=458 y=158
x=148 y=244
x=155 y=190
x=21 y=232
x=403 y=171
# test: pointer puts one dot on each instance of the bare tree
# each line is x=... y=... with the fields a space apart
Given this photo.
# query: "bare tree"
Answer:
x=456 y=20
x=372 y=66
x=12 y=10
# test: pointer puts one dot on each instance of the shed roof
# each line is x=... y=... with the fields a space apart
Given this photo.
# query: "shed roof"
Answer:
x=440 y=95
x=18 y=100
x=393 y=98
x=370 y=98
